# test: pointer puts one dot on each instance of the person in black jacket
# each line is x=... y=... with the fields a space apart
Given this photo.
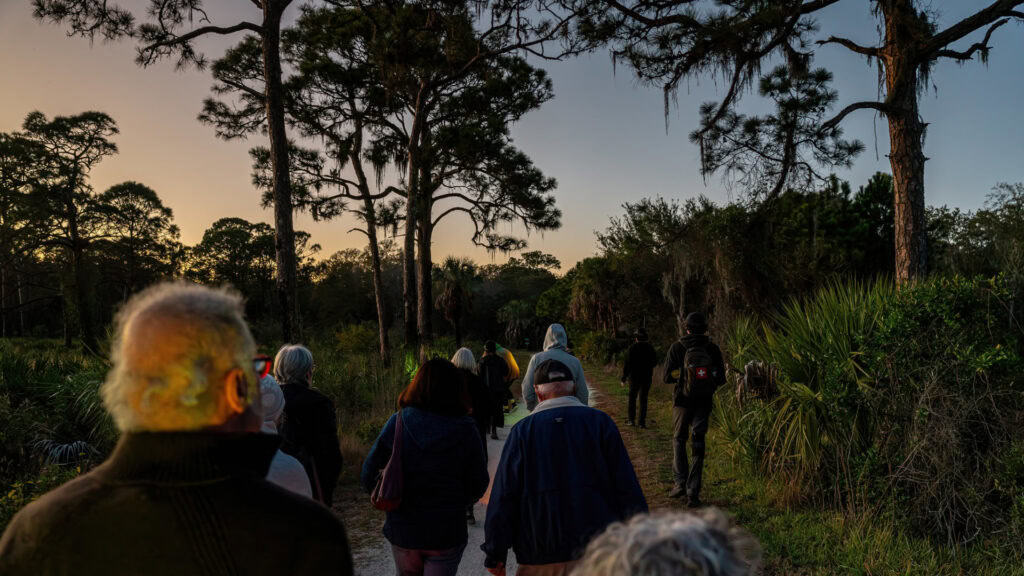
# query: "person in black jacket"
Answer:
x=183 y=491
x=309 y=425
x=493 y=370
x=443 y=467
x=691 y=412
x=638 y=370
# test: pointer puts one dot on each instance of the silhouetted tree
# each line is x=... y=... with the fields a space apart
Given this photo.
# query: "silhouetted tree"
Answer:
x=143 y=241
x=21 y=163
x=170 y=31
x=670 y=43
x=69 y=217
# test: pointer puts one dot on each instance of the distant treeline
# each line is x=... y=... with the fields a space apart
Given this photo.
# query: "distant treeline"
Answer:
x=71 y=254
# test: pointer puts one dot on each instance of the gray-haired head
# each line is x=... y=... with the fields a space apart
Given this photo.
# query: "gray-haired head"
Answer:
x=182 y=360
x=464 y=359
x=293 y=365
x=702 y=543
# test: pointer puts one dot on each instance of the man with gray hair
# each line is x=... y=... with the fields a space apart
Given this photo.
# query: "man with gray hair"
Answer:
x=564 y=476
x=184 y=490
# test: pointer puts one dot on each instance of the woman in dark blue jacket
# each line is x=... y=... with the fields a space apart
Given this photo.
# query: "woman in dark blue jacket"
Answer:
x=444 y=471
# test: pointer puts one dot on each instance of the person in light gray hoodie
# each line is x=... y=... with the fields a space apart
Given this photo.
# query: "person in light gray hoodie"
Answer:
x=555 y=347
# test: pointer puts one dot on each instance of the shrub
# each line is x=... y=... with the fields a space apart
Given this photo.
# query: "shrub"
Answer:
x=598 y=347
x=907 y=398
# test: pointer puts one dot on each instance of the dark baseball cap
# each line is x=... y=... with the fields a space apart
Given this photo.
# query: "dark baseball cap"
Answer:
x=552 y=371
x=696 y=323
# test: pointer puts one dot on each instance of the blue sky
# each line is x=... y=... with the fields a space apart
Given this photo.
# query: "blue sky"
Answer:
x=603 y=136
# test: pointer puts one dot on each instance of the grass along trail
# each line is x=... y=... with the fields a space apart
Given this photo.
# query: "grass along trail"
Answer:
x=798 y=540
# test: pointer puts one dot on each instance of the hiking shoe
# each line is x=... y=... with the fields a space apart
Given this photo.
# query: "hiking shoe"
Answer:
x=630 y=422
x=694 y=502
x=642 y=426
x=494 y=435
x=677 y=492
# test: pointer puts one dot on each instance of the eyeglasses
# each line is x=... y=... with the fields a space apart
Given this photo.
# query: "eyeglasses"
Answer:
x=262 y=364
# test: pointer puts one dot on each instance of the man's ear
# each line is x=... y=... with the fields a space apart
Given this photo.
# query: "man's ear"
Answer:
x=237 y=392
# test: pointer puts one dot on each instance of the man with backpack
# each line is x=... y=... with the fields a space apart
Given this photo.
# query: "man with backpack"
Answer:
x=695 y=366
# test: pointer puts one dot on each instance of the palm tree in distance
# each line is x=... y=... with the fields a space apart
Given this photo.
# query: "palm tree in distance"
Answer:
x=454 y=280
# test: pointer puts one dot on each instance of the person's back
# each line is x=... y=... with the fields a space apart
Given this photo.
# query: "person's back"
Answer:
x=174 y=504
x=184 y=490
x=564 y=476
x=493 y=371
x=555 y=348
x=640 y=362
x=694 y=364
x=309 y=424
x=444 y=470
x=638 y=370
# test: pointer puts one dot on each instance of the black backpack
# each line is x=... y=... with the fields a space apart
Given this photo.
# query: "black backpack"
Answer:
x=701 y=374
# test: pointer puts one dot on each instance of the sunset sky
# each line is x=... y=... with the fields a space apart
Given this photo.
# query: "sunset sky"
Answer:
x=602 y=137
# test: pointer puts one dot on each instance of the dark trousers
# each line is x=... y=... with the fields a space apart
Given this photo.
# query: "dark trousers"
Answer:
x=687 y=419
x=638 y=390
x=498 y=398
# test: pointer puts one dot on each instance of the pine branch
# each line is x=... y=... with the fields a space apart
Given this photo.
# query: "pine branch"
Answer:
x=850 y=45
x=978 y=20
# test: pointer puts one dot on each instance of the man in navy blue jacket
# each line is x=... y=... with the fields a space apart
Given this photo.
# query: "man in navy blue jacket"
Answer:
x=564 y=476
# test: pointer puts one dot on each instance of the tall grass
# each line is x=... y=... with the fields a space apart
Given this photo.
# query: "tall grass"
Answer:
x=808 y=432
x=54 y=423
x=905 y=401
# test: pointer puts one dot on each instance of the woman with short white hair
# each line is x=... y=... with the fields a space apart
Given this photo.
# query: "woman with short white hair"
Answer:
x=309 y=427
x=700 y=543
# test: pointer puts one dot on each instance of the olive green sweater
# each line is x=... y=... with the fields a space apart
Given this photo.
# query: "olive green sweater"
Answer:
x=177 y=504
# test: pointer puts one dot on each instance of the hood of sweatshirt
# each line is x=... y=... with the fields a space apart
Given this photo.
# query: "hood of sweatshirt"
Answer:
x=556 y=338
x=433 y=432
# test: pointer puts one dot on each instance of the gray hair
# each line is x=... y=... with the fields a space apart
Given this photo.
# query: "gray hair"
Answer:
x=173 y=346
x=293 y=364
x=557 y=389
x=702 y=543
x=464 y=359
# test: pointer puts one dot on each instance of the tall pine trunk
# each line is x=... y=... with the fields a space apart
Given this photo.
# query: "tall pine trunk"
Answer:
x=378 y=289
x=424 y=267
x=76 y=255
x=370 y=216
x=284 y=237
x=82 y=300
x=424 y=259
x=906 y=138
x=412 y=209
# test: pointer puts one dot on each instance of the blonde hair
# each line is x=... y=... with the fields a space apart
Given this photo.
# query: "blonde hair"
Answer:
x=175 y=343
x=464 y=359
x=701 y=543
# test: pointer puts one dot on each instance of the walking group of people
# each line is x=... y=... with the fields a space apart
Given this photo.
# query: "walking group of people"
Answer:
x=565 y=497
x=221 y=471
